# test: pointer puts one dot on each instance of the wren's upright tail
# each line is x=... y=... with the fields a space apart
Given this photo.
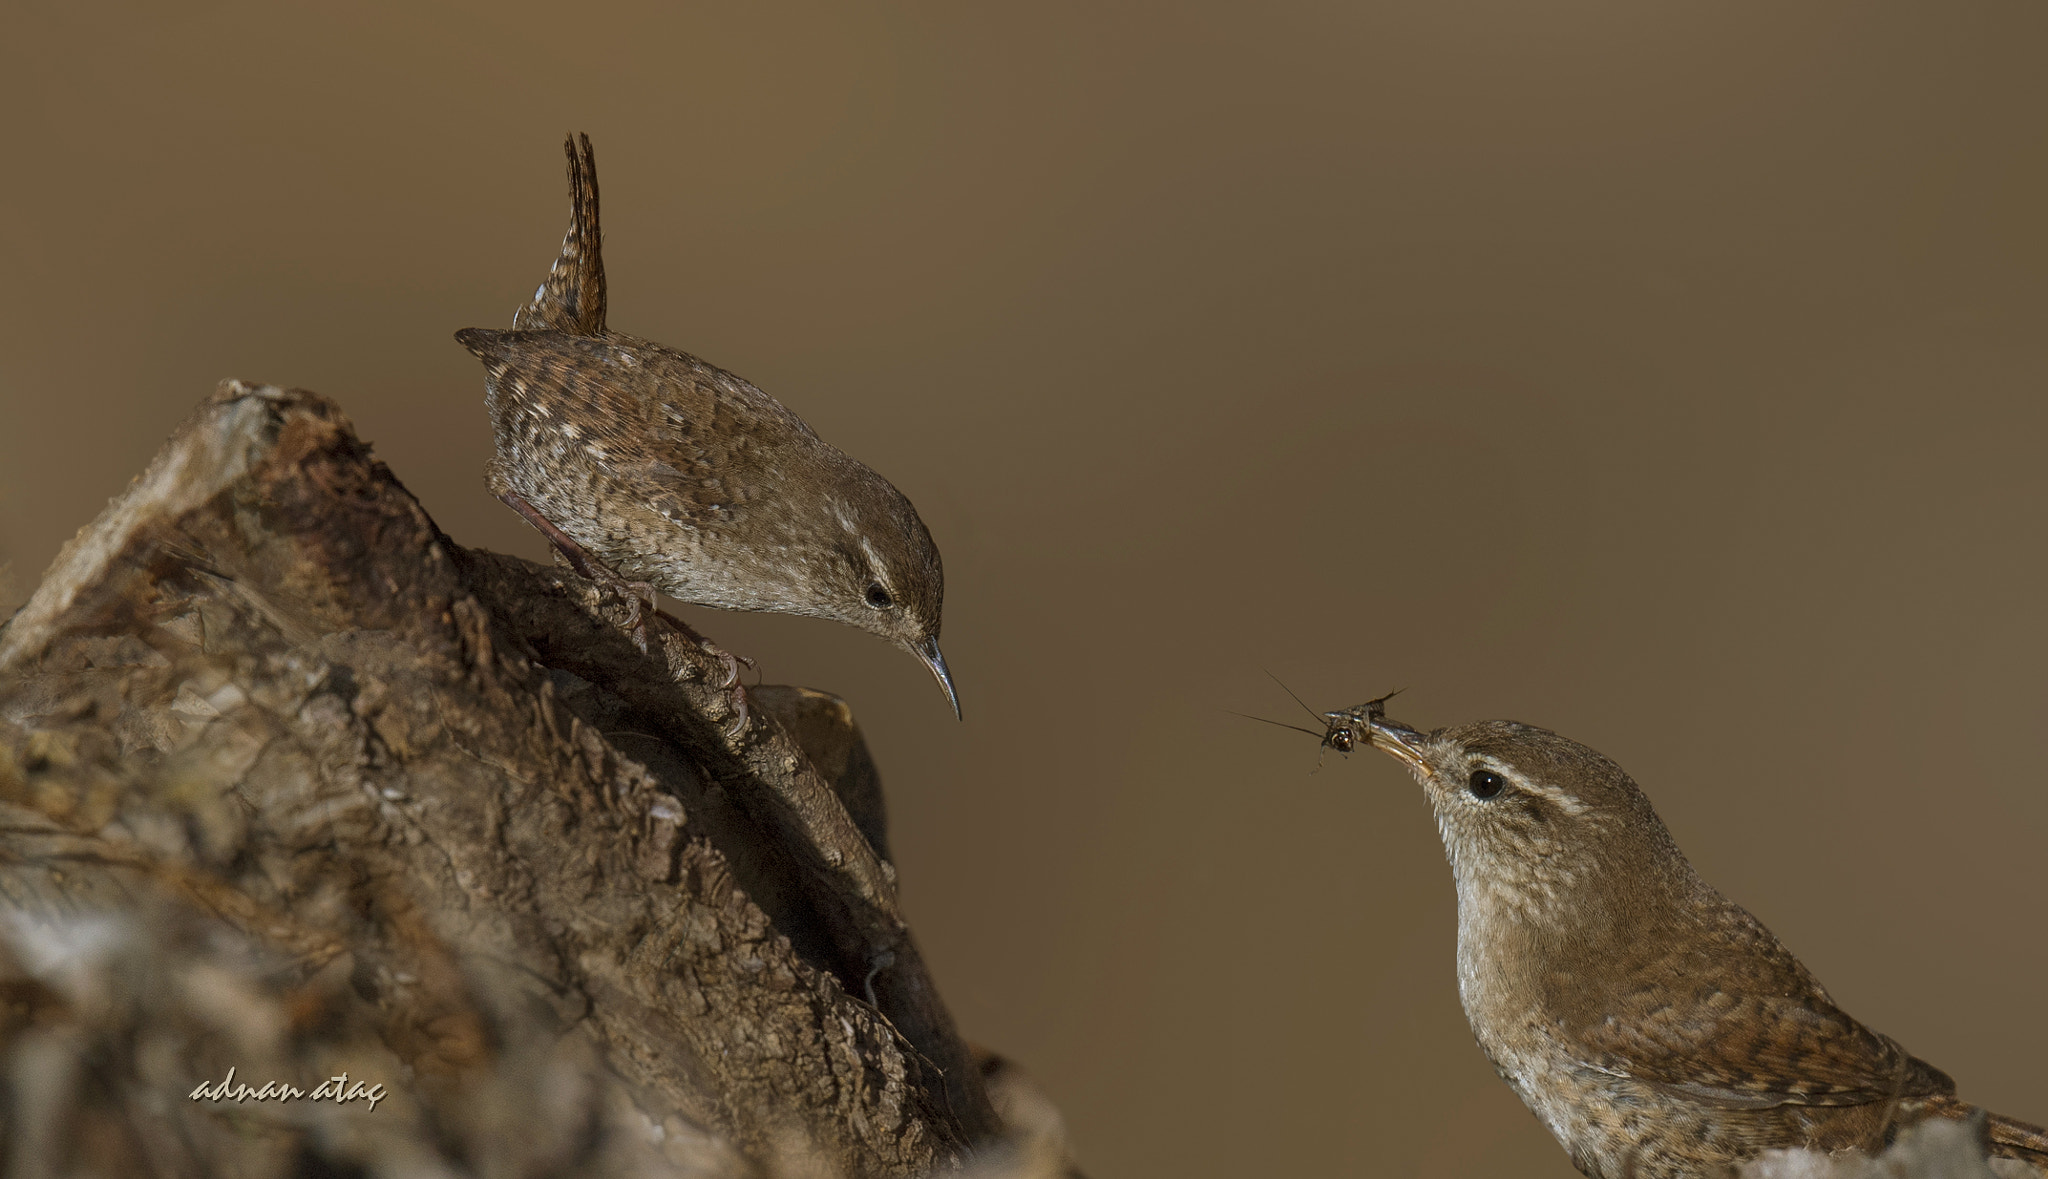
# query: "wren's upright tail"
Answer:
x=572 y=298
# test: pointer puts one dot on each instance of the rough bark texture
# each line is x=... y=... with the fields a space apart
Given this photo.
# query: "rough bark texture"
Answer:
x=291 y=783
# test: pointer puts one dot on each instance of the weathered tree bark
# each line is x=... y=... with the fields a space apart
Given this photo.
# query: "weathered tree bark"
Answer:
x=292 y=784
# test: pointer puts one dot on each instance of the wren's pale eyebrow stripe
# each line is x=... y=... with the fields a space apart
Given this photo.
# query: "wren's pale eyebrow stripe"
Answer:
x=1559 y=798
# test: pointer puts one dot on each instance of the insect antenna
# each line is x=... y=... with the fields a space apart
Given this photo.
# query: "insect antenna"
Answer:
x=1282 y=724
x=1290 y=691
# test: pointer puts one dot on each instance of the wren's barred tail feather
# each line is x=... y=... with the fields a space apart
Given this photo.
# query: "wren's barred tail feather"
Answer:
x=572 y=299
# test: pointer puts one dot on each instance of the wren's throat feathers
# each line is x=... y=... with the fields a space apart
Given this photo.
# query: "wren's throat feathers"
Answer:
x=677 y=475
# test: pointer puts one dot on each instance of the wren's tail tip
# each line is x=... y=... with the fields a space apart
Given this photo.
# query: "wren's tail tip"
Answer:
x=571 y=298
x=480 y=341
x=582 y=160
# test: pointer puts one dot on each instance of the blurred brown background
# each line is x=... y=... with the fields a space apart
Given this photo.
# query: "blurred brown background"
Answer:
x=1669 y=375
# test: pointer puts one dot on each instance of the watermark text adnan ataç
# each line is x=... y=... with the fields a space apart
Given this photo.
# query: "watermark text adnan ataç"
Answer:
x=335 y=1088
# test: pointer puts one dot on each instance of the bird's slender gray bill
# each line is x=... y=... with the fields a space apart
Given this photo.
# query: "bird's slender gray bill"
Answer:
x=1393 y=737
x=929 y=652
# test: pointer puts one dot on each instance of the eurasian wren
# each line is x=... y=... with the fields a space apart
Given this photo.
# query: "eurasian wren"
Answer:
x=648 y=467
x=1653 y=1025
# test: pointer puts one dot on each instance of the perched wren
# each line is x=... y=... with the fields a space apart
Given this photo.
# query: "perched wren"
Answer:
x=650 y=469
x=1653 y=1025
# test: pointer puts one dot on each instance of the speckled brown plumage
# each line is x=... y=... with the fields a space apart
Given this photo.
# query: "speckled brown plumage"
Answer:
x=649 y=466
x=1656 y=1027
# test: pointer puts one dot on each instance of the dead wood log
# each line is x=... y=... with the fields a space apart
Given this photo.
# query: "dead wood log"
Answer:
x=290 y=783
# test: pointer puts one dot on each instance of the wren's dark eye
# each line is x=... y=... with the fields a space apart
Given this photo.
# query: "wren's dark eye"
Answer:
x=878 y=597
x=1486 y=784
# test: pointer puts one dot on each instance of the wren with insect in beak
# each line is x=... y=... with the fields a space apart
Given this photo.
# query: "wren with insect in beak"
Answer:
x=1656 y=1027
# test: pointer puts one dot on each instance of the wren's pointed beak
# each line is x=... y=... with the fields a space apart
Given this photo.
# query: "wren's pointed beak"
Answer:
x=1396 y=739
x=929 y=652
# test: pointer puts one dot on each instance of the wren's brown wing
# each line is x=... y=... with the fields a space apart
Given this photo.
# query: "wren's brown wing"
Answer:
x=690 y=440
x=2020 y=1140
x=572 y=299
x=1754 y=1029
